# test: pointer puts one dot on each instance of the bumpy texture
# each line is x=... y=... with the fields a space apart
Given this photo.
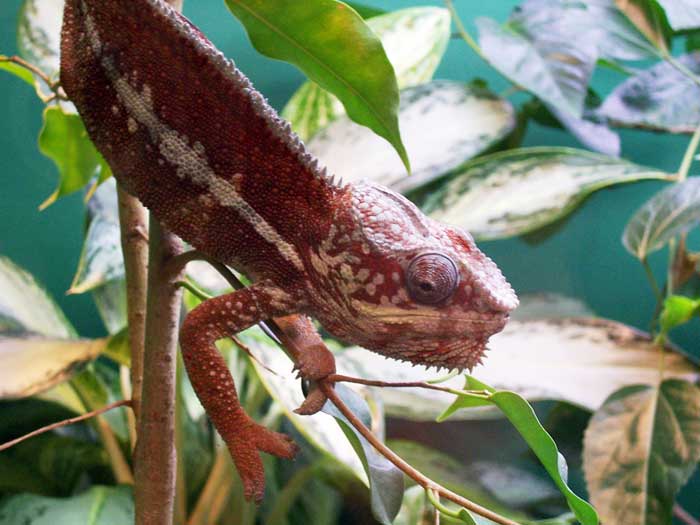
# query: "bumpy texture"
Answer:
x=185 y=132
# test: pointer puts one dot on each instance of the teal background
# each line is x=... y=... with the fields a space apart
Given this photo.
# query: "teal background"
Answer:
x=583 y=259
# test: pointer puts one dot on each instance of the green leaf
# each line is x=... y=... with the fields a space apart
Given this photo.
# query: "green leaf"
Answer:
x=64 y=140
x=682 y=14
x=522 y=51
x=521 y=190
x=639 y=450
x=523 y=418
x=16 y=70
x=414 y=39
x=366 y=11
x=443 y=123
x=335 y=48
x=97 y=506
x=110 y=300
x=649 y=18
x=659 y=98
x=670 y=212
x=677 y=310
x=385 y=480
x=542 y=359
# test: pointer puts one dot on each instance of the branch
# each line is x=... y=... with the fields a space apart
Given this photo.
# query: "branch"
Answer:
x=53 y=85
x=65 y=422
x=407 y=469
x=133 y=222
x=683 y=515
x=154 y=457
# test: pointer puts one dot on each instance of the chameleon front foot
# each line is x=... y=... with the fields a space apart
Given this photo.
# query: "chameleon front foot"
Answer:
x=245 y=447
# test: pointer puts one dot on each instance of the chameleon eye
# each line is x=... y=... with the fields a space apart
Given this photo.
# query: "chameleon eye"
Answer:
x=431 y=278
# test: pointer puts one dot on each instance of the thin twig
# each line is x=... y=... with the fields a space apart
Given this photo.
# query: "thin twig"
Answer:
x=338 y=378
x=407 y=469
x=66 y=422
x=683 y=515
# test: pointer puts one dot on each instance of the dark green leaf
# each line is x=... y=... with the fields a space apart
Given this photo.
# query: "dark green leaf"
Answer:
x=521 y=190
x=60 y=460
x=366 y=11
x=682 y=14
x=677 y=311
x=659 y=98
x=97 y=506
x=414 y=39
x=386 y=481
x=523 y=418
x=640 y=449
x=336 y=49
x=670 y=212
x=443 y=123
x=64 y=140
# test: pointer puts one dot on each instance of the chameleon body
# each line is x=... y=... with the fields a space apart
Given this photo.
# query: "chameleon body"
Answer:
x=187 y=133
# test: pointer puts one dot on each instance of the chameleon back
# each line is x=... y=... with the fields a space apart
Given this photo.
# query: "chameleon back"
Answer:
x=190 y=136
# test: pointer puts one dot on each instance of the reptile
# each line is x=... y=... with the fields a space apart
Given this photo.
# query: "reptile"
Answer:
x=185 y=131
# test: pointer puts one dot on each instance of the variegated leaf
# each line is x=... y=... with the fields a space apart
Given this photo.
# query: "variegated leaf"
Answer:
x=520 y=190
x=31 y=364
x=578 y=360
x=414 y=40
x=38 y=348
x=670 y=212
x=443 y=124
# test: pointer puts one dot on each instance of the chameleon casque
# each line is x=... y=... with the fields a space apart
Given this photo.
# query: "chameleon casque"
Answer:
x=186 y=132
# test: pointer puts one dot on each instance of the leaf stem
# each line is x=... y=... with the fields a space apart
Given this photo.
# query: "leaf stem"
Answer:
x=678 y=65
x=652 y=280
x=66 y=422
x=462 y=30
x=688 y=156
x=53 y=85
x=407 y=469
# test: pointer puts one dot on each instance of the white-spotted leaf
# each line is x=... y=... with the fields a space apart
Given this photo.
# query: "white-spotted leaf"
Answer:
x=577 y=360
x=443 y=124
x=521 y=190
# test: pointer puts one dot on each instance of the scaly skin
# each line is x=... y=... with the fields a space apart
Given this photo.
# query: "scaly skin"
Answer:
x=186 y=132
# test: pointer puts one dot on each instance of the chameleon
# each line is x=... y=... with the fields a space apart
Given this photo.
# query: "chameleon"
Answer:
x=186 y=132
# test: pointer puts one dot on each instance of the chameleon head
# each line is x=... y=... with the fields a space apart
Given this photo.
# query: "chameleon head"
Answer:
x=407 y=286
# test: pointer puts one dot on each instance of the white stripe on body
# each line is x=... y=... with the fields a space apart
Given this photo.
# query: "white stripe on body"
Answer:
x=190 y=161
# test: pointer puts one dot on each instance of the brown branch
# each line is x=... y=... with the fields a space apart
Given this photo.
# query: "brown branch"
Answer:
x=154 y=457
x=407 y=469
x=65 y=422
x=53 y=85
x=133 y=221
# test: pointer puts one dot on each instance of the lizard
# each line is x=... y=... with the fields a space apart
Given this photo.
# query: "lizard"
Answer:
x=186 y=132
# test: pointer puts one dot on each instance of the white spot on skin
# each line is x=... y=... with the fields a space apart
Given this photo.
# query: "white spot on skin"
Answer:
x=132 y=125
x=363 y=275
x=115 y=110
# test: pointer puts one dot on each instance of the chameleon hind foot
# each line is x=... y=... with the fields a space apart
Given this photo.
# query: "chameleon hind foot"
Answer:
x=245 y=447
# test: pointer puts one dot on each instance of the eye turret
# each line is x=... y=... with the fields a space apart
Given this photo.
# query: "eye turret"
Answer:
x=431 y=278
